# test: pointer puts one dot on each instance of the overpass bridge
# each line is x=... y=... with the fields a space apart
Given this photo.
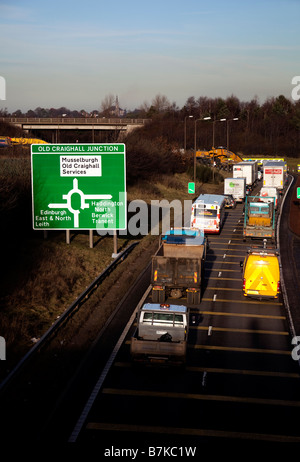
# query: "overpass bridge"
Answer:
x=121 y=126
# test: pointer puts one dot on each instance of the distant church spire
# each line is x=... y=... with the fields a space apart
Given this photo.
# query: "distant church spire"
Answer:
x=117 y=107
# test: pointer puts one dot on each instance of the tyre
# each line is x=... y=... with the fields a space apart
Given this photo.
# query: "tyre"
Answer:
x=189 y=298
x=196 y=298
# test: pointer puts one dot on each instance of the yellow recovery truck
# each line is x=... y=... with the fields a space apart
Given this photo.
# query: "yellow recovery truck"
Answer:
x=261 y=275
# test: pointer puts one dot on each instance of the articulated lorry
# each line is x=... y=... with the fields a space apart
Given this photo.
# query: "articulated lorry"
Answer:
x=178 y=266
x=161 y=334
x=275 y=174
x=259 y=218
x=248 y=170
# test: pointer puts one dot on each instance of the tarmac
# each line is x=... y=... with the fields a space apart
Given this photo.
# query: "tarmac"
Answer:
x=290 y=249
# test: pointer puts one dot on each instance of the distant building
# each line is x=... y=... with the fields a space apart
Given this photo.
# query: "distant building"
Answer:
x=116 y=110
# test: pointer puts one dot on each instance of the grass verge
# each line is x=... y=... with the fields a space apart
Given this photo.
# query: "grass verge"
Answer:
x=43 y=277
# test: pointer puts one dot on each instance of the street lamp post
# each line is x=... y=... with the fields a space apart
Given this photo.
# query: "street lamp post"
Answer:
x=229 y=120
x=213 y=147
x=195 y=144
x=186 y=117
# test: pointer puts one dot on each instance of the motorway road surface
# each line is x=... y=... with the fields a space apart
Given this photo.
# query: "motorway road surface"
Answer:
x=240 y=382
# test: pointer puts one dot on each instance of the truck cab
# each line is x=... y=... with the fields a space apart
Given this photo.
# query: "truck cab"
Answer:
x=268 y=193
x=161 y=333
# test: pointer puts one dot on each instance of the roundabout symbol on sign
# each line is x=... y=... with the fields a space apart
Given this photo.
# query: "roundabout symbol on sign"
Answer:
x=83 y=204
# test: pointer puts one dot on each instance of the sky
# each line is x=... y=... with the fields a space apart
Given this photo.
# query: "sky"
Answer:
x=74 y=53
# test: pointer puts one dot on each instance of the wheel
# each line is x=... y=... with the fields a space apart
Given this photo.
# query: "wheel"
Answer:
x=197 y=297
x=189 y=298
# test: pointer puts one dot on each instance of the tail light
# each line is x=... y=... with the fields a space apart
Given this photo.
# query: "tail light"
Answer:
x=278 y=286
x=244 y=284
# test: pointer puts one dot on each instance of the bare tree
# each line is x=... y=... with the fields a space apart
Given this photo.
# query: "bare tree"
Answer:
x=144 y=107
x=106 y=104
x=161 y=103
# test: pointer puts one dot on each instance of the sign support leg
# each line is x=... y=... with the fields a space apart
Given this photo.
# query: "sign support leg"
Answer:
x=91 y=238
x=68 y=236
x=115 y=254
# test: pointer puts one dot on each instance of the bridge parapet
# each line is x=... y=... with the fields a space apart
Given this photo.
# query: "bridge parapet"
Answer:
x=73 y=120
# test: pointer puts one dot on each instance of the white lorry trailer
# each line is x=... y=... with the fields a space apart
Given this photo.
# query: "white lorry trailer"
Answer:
x=246 y=170
x=274 y=174
x=236 y=187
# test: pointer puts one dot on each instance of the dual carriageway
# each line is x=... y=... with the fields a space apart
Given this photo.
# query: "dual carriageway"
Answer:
x=240 y=381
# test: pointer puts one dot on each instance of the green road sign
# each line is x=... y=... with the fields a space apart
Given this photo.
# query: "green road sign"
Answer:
x=191 y=188
x=298 y=193
x=78 y=186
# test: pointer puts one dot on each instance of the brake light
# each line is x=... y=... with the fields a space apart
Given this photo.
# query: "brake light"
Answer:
x=244 y=284
x=278 y=286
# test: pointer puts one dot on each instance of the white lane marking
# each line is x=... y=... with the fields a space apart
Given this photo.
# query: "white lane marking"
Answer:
x=88 y=406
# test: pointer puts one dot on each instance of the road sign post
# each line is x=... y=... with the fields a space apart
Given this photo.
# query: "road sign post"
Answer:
x=79 y=186
x=191 y=188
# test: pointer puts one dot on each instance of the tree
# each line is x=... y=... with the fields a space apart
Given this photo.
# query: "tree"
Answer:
x=161 y=103
x=106 y=104
x=191 y=104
